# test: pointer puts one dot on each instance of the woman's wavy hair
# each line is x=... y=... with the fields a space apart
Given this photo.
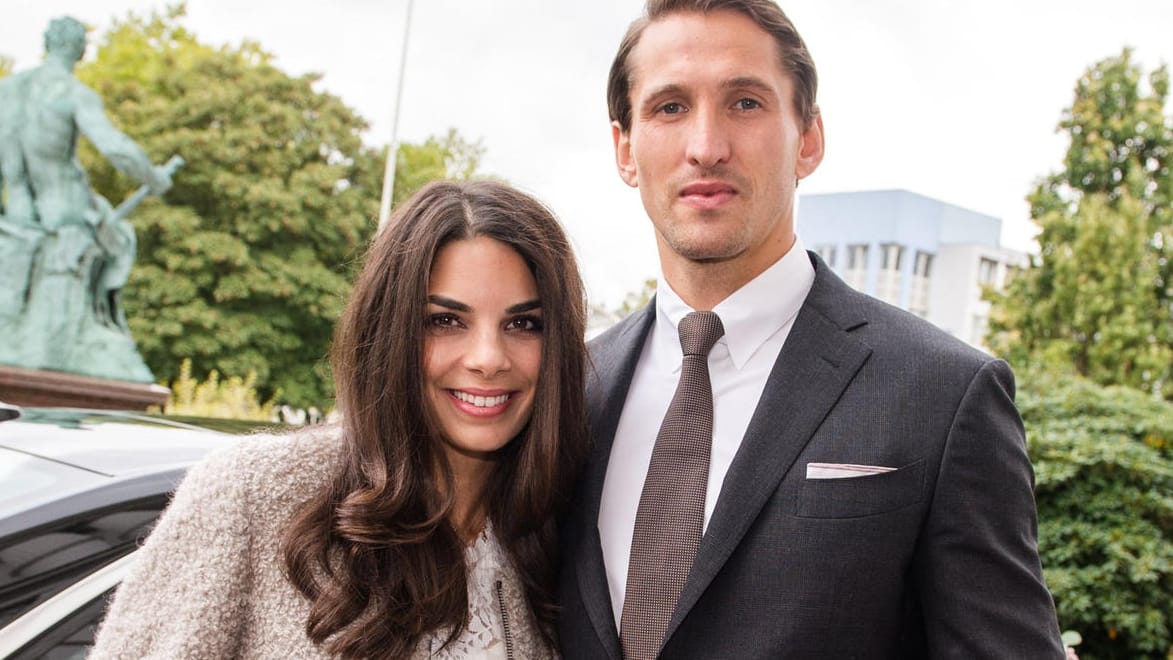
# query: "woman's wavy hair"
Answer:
x=375 y=553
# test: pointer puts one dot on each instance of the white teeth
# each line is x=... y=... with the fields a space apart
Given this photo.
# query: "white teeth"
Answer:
x=481 y=401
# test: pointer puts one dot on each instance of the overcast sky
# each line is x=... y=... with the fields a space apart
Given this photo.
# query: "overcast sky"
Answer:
x=956 y=100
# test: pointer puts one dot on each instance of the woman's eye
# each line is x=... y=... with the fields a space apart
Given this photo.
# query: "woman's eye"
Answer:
x=443 y=321
x=525 y=324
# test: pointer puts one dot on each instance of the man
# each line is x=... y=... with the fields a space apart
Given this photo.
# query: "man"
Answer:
x=867 y=492
x=64 y=253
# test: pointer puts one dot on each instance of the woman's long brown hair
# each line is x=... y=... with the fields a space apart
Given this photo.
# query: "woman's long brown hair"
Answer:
x=375 y=553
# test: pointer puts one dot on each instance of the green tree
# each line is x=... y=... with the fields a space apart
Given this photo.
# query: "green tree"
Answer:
x=1103 y=460
x=600 y=316
x=1099 y=296
x=447 y=157
x=244 y=265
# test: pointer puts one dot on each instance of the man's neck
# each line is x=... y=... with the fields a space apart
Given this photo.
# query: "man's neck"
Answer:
x=702 y=285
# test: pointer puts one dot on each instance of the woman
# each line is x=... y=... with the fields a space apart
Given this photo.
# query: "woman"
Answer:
x=422 y=525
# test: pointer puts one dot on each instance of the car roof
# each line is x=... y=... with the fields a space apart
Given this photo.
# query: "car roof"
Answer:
x=108 y=443
x=53 y=460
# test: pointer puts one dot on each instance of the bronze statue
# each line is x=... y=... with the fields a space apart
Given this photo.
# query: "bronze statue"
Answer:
x=65 y=251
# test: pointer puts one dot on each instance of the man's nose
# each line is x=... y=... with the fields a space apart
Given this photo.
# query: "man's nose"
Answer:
x=708 y=139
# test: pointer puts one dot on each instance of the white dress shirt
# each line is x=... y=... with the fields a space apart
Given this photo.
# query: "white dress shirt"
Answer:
x=757 y=319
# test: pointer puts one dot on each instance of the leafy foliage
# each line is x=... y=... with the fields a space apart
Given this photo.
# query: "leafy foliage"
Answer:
x=245 y=266
x=602 y=316
x=634 y=300
x=245 y=263
x=1099 y=297
x=232 y=398
x=446 y=157
x=1103 y=460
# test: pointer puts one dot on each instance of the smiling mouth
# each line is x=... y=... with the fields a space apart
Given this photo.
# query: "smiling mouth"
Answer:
x=481 y=401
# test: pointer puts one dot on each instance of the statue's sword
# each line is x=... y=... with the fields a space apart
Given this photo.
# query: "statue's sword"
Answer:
x=129 y=204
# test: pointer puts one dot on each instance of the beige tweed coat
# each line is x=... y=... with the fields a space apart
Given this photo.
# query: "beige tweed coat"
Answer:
x=208 y=582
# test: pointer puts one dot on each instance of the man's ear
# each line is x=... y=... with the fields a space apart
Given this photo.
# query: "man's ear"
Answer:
x=810 y=153
x=623 y=159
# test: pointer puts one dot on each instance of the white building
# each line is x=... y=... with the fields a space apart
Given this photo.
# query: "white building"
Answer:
x=921 y=254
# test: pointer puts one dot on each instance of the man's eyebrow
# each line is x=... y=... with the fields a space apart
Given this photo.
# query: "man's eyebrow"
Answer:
x=449 y=303
x=750 y=82
x=669 y=89
x=526 y=306
x=740 y=82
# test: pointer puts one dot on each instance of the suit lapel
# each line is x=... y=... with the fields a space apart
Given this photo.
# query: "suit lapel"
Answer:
x=815 y=365
x=613 y=359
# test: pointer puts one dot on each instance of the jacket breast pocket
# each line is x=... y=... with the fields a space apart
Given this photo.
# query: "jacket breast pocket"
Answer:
x=856 y=497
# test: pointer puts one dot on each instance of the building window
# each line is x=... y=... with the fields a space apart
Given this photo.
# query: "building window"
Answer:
x=892 y=253
x=891 y=280
x=857 y=257
x=987 y=272
x=856 y=275
x=923 y=265
x=918 y=301
x=979 y=328
x=827 y=254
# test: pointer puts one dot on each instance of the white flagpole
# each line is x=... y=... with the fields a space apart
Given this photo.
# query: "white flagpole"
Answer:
x=393 y=150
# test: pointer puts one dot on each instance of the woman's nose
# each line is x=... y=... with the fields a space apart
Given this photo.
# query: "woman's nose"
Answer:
x=487 y=353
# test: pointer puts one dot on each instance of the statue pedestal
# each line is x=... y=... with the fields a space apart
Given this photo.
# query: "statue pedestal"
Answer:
x=32 y=387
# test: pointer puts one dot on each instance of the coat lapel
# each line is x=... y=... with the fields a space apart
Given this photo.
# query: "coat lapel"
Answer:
x=613 y=359
x=815 y=365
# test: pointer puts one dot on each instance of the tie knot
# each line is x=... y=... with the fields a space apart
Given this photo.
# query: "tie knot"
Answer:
x=699 y=331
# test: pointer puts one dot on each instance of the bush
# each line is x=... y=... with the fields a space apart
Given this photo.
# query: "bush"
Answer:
x=1103 y=460
x=234 y=398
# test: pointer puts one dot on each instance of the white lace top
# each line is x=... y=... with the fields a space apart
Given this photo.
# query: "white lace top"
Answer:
x=486 y=635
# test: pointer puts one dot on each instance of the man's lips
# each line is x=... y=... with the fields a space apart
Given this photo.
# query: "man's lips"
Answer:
x=707 y=194
x=707 y=188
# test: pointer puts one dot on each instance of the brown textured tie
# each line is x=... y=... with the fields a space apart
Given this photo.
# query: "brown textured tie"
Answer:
x=671 y=510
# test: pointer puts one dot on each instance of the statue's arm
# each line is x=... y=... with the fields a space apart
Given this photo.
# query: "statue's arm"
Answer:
x=116 y=146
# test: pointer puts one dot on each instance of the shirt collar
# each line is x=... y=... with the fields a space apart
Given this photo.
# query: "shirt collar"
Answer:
x=752 y=314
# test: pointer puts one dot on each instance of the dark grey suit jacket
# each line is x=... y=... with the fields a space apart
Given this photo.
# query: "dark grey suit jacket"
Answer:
x=937 y=559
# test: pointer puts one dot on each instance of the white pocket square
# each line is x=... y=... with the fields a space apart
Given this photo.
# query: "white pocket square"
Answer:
x=843 y=470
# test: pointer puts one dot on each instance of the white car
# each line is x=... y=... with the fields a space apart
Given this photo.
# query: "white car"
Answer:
x=79 y=490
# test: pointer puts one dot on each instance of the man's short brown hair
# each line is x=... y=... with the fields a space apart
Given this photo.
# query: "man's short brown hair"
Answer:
x=796 y=59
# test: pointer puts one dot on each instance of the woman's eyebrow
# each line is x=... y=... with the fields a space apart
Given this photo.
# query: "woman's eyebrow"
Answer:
x=524 y=307
x=449 y=303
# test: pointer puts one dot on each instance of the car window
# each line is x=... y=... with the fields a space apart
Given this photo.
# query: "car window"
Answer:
x=36 y=565
x=71 y=637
